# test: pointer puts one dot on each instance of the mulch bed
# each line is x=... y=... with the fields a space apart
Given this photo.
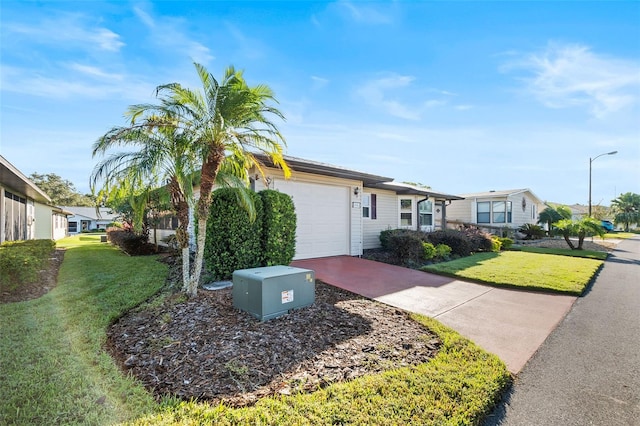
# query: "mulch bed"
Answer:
x=205 y=349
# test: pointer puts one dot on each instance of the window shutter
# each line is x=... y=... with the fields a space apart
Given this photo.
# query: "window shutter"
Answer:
x=374 y=209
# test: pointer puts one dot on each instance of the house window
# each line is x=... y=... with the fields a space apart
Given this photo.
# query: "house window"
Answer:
x=73 y=227
x=499 y=212
x=534 y=211
x=484 y=212
x=369 y=208
x=406 y=212
x=425 y=213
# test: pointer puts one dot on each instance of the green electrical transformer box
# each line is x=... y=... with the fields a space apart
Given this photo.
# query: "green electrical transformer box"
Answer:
x=272 y=291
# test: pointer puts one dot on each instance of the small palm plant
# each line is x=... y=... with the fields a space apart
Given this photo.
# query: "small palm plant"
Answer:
x=582 y=228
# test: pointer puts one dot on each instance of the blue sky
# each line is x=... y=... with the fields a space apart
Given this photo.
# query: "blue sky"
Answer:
x=461 y=96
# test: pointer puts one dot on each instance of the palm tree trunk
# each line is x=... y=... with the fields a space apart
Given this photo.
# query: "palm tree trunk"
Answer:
x=207 y=179
x=185 y=269
x=581 y=236
x=568 y=240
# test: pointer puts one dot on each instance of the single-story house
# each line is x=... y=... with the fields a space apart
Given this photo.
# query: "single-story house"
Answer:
x=26 y=211
x=494 y=210
x=342 y=211
x=89 y=219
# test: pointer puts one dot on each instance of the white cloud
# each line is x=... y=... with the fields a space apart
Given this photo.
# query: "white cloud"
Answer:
x=68 y=30
x=95 y=72
x=396 y=95
x=318 y=82
x=573 y=75
x=364 y=14
x=168 y=33
x=102 y=85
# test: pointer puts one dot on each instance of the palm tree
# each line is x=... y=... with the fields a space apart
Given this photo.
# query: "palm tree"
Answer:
x=626 y=209
x=161 y=155
x=586 y=226
x=225 y=120
x=550 y=215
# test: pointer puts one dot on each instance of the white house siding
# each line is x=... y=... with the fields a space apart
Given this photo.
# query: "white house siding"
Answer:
x=387 y=217
x=526 y=215
x=328 y=212
x=466 y=210
x=44 y=221
x=462 y=210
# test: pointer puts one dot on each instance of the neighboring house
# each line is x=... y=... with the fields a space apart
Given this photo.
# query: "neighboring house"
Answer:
x=494 y=210
x=342 y=211
x=26 y=211
x=89 y=219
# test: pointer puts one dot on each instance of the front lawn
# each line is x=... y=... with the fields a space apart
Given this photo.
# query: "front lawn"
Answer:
x=590 y=254
x=53 y=367
x=55 y=370
x=524 y=270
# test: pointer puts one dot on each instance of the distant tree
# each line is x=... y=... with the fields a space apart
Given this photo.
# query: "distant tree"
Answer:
x=418 y=184
x=626 y=209
x=582 y=228
x=61 y=191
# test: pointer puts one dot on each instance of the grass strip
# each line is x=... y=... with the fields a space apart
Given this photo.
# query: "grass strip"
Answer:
x=458 y=387
x=53 y=367
x=523 y=270
x=589 y=254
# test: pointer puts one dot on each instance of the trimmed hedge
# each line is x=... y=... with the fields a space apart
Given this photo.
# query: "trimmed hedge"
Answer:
x=279 y=228
x=20 y=261
x=233 y=240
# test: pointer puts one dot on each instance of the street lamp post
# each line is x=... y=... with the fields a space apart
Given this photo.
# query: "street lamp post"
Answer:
x=591 y=160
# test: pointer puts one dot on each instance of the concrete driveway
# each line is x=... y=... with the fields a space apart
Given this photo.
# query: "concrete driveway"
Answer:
x=509 y=323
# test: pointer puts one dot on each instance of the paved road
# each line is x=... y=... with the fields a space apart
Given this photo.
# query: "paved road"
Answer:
x=587 y=372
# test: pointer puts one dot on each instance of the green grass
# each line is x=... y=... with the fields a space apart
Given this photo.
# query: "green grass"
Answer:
x=518 y=269
x=54 y=369
x=590 y=254
x=619 y=235
x=458 y=387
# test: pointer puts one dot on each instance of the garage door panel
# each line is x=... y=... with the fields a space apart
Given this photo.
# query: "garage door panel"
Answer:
x=323 y=218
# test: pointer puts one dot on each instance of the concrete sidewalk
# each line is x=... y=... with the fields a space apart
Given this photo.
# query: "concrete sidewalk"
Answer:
x=510 y=323
x=588 y=371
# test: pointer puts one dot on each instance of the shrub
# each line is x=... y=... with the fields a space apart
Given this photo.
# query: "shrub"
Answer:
x=478 y=240
x=404 y=245
x=233 y=240
x=20 y=261
x=130 y=242
x=429 y=251
x=443 y=251
x=114 y=225
x=506 y=243
x=456 y=240
x=496 y=244
x=279 y=228
x=531 y=231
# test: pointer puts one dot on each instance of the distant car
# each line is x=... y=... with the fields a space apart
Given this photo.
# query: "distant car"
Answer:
x=607 y=225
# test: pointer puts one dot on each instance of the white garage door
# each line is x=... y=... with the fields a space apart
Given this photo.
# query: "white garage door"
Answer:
x=322 y=218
